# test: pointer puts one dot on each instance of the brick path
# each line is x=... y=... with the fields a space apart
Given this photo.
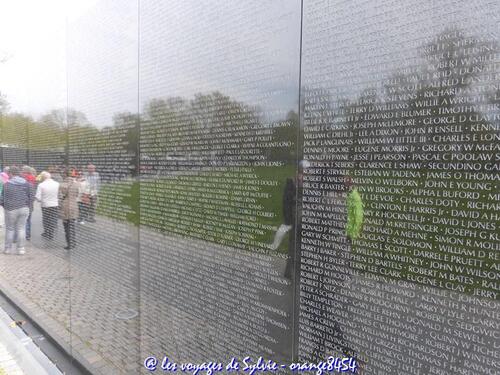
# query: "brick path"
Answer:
x=75 y=297
x=44 y=282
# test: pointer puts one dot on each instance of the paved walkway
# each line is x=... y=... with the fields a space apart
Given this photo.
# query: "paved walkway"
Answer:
x=88 y=299
x=201 y=301
x=75 y=297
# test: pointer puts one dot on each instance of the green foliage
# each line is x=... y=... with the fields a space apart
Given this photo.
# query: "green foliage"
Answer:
x=156 y=203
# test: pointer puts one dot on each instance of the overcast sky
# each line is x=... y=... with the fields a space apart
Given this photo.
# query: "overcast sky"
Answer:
x=248 y=50
x=32 y=45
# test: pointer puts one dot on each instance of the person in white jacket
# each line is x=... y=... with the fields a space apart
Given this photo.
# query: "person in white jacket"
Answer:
x=83 y=199
x=47 y=194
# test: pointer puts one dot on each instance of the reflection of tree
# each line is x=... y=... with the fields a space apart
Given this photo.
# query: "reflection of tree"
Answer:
x=210 y=128
x=192 y=129
x=162 y=120
x=127 y=124
x=46 y=133
x=14 y=129
x=61 y=118
x=4 y=104
x=190 y=146
x=288 y=133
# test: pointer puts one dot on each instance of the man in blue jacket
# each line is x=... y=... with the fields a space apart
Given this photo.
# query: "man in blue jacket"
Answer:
x=17 y=201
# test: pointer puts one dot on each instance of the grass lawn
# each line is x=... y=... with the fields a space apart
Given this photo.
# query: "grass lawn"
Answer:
x=237 y=208
x=243 y=209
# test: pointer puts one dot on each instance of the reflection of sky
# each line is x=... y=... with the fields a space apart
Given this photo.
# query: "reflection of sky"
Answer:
x=247 y=50
x=32 y=39
x=102 y=61
x=351 y=46
x=33 y=43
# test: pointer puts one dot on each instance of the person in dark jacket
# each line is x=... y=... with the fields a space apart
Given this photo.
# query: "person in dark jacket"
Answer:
x=17 y=200
x=29 y=174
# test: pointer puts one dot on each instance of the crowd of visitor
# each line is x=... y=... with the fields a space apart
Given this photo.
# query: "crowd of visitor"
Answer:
x=61 y=192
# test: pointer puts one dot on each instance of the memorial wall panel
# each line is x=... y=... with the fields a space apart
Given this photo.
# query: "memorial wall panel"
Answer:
x=219 y=103
x=102 y=159
x=288 y=179
x=400 y=225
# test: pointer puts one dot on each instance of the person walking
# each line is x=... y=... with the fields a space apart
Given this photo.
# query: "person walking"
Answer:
x=355 y=210
x=68 y=193
x=47 y=194
x=94 y=181
x=17 y=201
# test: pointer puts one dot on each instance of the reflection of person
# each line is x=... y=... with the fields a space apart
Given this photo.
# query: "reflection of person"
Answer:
x=17 y=201
x=94 y=181
x=355 y=210
x=83 y=199
x=353 y=228
x=292 y=194
x=68 y=192
x=332 y=339
x=47 y=194
x=292 y=209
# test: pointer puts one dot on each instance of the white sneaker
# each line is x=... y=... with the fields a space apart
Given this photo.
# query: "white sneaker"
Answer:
x=7 y=251
x=21 y=251
x=81 y=222
x=280 y=234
